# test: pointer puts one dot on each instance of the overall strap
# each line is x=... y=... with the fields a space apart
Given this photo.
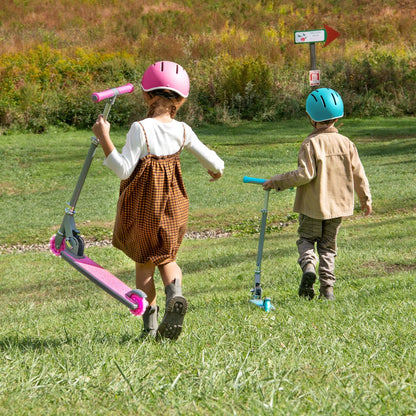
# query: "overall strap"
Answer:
x=145 y=137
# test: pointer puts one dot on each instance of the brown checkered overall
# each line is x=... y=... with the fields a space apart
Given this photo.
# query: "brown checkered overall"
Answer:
x=152 y=210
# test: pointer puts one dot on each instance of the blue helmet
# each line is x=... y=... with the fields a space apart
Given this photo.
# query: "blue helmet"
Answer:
x=324 y=104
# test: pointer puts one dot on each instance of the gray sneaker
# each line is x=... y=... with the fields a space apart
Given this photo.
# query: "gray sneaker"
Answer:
x=326 y=292
x=150 y=322
x=176 y=307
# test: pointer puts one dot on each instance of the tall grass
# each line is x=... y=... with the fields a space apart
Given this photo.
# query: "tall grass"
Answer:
x=240 y=55
x=202 y=29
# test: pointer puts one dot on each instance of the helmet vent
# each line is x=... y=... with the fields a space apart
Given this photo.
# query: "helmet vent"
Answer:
x=323 y=101
x=161 y=66
x=177 y=69
x=334 y=98
x=316 y=100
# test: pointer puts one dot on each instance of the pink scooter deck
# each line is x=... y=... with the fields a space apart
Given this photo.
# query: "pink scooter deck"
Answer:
x=103 y=278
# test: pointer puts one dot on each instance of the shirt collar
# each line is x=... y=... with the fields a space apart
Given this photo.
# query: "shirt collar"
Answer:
x=324 y=130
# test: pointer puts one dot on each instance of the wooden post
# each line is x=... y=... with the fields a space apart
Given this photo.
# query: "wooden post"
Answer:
x=312 y=51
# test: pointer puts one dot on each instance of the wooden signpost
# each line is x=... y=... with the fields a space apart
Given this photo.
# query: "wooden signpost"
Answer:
x=311 y=37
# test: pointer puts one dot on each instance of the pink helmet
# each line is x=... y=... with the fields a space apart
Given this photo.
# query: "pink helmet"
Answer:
x=166 y=75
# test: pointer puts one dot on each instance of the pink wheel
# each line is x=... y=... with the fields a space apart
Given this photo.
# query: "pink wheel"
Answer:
x=142 y=305
x=52 y=247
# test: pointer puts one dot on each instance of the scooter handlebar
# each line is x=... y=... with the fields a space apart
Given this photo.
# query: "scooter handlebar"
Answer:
x=124 y=89
x=258 y=181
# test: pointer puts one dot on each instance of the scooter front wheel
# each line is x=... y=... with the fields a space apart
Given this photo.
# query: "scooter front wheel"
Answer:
x=52 y=247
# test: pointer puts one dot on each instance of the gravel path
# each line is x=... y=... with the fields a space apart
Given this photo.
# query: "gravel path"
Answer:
x=23 y=248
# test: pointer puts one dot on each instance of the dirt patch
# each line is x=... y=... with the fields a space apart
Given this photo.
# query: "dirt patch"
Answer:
x=392 y=268
x=387 y=268
x=8 y=188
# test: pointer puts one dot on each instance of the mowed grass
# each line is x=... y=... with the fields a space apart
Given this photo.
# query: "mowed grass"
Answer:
x=68 y=348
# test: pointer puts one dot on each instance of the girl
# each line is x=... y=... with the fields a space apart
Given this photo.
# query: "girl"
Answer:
x=152 y=211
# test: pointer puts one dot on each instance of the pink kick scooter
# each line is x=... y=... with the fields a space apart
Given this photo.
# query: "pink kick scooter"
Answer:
x=69 y=244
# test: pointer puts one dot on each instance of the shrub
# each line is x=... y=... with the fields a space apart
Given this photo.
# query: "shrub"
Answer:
x=240 y=85
x=379 y=84
x=48 y=87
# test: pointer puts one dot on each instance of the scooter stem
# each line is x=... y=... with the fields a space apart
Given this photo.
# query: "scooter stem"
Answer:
x=88 y=160
x=264 y=212
x=68 y=228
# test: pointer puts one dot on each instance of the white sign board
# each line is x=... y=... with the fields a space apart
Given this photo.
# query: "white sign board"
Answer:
x=314 y=77
x=310 y=36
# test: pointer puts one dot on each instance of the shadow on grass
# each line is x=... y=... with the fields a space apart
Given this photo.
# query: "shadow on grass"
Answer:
x=396 y=148
x=378 y=129
x=247 y=133
x=246 y=255
x=34 y=343
x=58 y=288
x=30 y=343
x=386 y=224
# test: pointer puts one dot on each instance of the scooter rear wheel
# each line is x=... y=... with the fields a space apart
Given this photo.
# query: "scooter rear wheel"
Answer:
x=141 y=305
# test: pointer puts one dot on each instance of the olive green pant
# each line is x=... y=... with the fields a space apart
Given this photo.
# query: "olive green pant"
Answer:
x=324 y=234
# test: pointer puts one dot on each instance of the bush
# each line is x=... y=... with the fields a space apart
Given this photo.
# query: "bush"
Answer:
x=243 y=85
x=376 y=85
x=47 y=87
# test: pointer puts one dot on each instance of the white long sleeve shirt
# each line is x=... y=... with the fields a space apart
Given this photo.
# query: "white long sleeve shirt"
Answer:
x=164 y=139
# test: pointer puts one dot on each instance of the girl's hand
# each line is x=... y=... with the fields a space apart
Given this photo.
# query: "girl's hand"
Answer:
x=215 y=175
x=101 y=128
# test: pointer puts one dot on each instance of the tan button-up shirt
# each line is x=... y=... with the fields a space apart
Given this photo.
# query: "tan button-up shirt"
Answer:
x=329 y=170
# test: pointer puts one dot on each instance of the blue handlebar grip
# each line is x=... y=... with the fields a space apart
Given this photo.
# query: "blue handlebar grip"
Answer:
x=248 y=179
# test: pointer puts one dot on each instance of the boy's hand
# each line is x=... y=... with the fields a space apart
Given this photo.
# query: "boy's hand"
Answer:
x=215 y=175
x=367 y=208
x=268 y=185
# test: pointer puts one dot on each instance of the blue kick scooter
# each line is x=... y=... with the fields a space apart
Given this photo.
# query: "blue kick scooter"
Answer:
x=257 y=291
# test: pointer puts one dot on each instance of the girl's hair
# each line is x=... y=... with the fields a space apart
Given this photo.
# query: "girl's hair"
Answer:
x=163 y=100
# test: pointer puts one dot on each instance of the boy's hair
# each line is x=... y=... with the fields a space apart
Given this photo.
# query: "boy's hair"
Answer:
x=324 y=123
x=327 y=122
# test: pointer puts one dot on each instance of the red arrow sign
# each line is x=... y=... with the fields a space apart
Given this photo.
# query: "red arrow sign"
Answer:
x=331 y=34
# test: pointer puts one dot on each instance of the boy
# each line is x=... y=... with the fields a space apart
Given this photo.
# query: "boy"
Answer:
x=329 y=170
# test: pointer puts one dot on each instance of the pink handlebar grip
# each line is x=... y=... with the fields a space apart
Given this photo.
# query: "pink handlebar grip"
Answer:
x=124 y=89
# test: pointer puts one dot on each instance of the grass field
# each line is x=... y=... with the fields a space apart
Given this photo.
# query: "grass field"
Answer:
x=66 y=347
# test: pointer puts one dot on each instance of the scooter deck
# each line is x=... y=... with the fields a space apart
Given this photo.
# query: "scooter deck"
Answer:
x=102 y=277
x=261 y=304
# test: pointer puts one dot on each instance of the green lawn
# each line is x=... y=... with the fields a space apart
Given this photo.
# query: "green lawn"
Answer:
x=66 y=347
